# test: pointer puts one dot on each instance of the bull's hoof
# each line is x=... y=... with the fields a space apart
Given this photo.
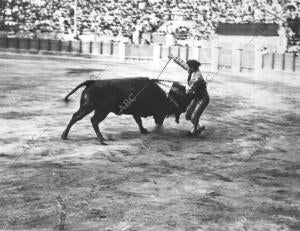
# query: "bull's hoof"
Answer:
x=144 y=131
x=64 y=135
x=103 y=143
x=196 y=133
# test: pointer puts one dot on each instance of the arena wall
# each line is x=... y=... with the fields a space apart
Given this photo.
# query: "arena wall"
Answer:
x=222 y=57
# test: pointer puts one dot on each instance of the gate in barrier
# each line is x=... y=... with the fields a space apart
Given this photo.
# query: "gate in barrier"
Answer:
x=225 y=59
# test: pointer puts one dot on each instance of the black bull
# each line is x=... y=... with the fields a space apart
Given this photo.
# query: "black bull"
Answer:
x=139 y=97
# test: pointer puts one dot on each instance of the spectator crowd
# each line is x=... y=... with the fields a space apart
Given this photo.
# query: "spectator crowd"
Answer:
x=123 y=17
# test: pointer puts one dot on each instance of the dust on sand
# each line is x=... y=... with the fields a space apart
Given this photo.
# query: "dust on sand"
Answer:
x=242 y=173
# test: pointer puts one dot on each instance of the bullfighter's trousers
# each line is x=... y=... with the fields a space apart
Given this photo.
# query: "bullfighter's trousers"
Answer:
x=196 y=107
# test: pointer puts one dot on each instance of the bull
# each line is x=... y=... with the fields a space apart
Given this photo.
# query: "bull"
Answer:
x=139 y=97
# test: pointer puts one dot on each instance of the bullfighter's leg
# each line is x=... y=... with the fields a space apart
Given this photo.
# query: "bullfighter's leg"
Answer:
x=199 y=110
x=82 y=112
x=96 y=119
x=138 y=120
x=201 y=105
x=195 y=120
x=190 y=109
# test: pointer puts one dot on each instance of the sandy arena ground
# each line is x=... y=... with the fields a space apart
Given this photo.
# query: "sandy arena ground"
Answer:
x=241 y=173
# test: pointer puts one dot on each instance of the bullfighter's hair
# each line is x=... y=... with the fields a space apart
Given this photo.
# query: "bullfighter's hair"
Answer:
x=193 y=64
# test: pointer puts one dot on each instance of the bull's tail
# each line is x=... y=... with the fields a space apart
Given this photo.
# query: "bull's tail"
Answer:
x=86 y=83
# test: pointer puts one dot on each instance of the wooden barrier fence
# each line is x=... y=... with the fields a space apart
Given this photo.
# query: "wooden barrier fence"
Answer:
x=47 y=45
x=281 y=62
x=226 y=59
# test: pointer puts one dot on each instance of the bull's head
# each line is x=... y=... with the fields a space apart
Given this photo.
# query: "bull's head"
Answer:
x=179 y=100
